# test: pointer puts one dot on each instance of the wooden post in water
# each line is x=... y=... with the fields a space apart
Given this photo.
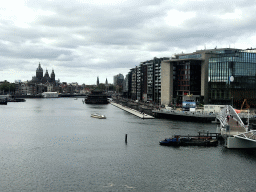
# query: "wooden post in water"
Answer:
x=125 y=138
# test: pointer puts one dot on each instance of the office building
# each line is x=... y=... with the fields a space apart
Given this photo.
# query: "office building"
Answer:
x=216 y=76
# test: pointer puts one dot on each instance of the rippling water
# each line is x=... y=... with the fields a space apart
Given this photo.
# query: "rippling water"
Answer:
x=54 y=145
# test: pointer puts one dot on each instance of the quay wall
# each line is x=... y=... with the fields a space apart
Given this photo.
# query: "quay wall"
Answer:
x=184 y=116
x=153 y=110
x=141 y=107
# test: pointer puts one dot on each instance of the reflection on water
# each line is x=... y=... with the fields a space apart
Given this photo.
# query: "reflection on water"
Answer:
x=54 y=145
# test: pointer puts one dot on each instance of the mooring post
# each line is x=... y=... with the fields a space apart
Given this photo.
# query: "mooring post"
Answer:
x=125 y=138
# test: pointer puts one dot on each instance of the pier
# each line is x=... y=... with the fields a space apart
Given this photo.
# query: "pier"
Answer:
x=132 y=111
x=185 y=115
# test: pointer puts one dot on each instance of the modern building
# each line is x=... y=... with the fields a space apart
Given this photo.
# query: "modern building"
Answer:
x=133 y=83
x=118 y=80
x=216 y=76
x=126 y=86
x=145 y=81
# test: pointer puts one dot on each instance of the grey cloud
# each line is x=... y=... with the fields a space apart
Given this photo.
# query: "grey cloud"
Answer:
x=110 y=36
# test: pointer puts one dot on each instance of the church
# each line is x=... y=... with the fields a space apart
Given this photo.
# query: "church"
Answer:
x=40 y=78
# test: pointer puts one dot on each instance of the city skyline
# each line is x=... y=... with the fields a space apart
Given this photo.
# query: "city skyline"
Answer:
x=105 y=38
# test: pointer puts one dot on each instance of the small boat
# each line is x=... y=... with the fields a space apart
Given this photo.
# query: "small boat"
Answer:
x=3 y=102
x=175 y=141
x=98 y=116
x=189 y=141
x=16 y=100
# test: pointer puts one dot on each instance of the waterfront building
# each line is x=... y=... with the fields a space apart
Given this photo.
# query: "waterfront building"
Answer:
x=38 y=84
x=125 y=86
x=157 y=79
x=118 y=80
x=21 y=88
x=133 y=73
x=150 y=80
x=138 y=83
x=145 y=81
x=216 y=76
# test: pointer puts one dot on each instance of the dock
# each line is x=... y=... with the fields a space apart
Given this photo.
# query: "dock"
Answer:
x=185 y=115
x=132 y=111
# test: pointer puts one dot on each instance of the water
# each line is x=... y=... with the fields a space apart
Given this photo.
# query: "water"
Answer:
x=54 y=145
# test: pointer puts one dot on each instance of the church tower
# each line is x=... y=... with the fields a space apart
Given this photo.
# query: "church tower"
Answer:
x=46 y=75
x=39 y=72
x=53 y=76
x=98 y=81
x=106 y=85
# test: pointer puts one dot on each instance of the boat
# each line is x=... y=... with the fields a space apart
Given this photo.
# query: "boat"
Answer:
x=3 y=101
x=50 y=94
x=189 y=141
x=96 y=97
x=98 y=116
x=16 y=100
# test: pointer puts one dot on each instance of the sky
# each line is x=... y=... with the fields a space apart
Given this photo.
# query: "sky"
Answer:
x=82 y=40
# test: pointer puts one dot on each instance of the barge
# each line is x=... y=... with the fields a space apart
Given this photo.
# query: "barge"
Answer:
x=200 y=140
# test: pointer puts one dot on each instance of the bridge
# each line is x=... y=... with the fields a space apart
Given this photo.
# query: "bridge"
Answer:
x=234 y=131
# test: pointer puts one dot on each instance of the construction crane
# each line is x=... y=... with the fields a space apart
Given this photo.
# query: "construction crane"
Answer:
x=247 y=106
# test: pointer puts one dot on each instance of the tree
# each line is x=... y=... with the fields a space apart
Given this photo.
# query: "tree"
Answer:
x=7 y=87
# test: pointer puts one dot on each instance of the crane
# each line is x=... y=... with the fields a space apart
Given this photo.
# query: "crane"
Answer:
x=246 y=105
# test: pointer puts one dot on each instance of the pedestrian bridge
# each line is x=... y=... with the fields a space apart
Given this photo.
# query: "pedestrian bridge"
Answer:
x=235 y=132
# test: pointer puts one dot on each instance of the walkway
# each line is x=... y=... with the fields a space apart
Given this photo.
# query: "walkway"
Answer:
x=236 y=134
x=132 y=111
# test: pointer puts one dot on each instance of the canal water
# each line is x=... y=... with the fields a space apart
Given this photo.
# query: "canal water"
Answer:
x=54 y=145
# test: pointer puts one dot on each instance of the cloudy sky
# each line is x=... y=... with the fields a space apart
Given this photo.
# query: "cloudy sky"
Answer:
x=84 y=39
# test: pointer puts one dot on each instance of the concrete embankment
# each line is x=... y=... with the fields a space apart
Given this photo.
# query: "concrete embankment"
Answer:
x=132 y=111
x=184 y=115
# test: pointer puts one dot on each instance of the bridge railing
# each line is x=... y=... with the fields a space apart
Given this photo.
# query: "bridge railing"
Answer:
x=228 y=112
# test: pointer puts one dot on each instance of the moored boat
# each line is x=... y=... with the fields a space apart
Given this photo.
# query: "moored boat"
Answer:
x=50 y=94
x=96 y=97
x=3 y=101
x=16 y=100
x=189 y=141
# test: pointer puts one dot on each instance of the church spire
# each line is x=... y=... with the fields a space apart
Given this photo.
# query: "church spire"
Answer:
x=98 y=82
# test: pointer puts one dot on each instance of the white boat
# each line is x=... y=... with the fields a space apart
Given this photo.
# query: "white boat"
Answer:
x=98 y=116
x=50 y=94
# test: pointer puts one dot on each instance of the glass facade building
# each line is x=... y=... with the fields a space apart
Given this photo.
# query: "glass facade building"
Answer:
x=217 y=76
x=232 y=77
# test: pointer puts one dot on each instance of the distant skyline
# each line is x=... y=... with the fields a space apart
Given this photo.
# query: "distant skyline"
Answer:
x=83 y=40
